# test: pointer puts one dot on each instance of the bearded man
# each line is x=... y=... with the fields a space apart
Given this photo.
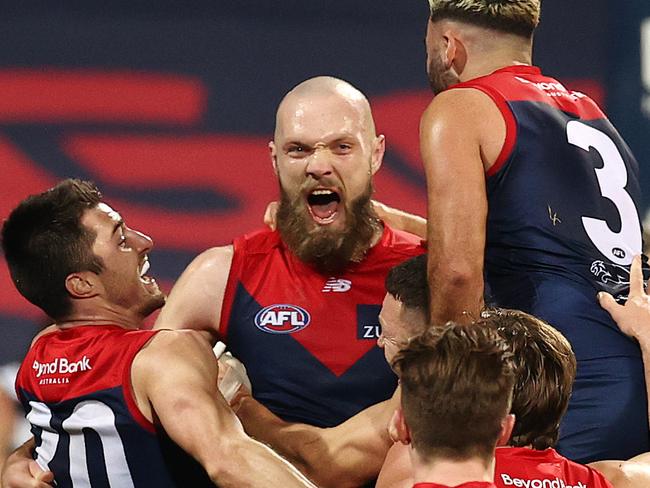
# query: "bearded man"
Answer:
x=299 y=306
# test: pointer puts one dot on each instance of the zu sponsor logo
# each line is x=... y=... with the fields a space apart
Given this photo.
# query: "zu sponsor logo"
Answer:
x=282 y=319
x=337 y=285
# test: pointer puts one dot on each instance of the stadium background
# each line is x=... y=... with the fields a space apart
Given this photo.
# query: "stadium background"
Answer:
x=169 y=107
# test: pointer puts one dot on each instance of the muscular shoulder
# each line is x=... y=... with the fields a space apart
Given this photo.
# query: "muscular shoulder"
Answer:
x=168 y=361
x=468 y=106
x=196 y=299
x=463 y=118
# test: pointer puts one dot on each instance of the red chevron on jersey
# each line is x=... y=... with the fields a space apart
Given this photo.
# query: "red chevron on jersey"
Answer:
x=309 y=341
x=314 y=309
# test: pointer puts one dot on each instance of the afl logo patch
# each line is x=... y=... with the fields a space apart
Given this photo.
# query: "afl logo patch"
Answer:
x=282 y=319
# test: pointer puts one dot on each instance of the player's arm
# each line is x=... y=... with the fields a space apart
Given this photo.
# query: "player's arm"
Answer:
x=456 y=144
x=398 y=219
x=196 y=299
x=174 y=380
x=633 y=318
x=634 y=473
x=347 y=455
x=21 y=471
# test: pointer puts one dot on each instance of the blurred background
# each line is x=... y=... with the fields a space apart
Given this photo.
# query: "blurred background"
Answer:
x=168 y=106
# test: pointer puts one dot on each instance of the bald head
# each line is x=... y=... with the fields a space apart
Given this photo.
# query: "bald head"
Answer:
x=324 y=88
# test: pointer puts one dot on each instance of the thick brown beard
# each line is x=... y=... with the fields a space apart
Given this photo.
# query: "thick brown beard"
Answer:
x=328 y=251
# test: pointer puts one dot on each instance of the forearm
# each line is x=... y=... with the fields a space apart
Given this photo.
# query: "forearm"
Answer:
x=401 y=220
x=244 y=462
x=456 y=288
x=346 y=455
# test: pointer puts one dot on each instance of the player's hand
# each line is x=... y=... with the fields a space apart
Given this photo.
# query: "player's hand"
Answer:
x=633 y=318
x=233 y=380
x=21 y=471
x=270 y=215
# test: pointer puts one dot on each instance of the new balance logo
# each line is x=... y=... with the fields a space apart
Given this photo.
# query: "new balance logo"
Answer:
x=337 y=285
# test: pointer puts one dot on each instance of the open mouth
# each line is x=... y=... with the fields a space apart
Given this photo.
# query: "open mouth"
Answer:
x=323 y=205
x=144 y=267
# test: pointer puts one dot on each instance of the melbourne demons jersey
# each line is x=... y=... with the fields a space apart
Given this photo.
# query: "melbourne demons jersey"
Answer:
x=562 y=222
x=308 y=341
x=520 y=466
x=75 y=387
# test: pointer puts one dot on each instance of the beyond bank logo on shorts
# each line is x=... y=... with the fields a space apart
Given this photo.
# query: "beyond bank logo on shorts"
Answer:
x=282 y=319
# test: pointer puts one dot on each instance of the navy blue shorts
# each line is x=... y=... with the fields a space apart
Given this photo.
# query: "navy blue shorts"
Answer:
x=608 y=412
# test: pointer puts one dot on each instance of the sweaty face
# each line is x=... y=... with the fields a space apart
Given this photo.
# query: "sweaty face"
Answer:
x=124 y=254
x=398 y=325
x=325 y=154
x=394 y=332
x=440 y=77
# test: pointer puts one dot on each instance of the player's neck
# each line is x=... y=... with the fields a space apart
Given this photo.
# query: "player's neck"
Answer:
x=452 y=472
x=485 y=63
x=105 y=314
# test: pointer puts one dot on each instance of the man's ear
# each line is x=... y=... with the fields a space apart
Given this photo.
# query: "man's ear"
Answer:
x=398 y=430
x=274 y=156
x=82 y=284
x=378 y=150
x=507 y=424
x=455 y=52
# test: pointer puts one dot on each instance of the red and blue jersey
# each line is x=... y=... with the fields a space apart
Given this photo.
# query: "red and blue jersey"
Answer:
x=563 y=219
x=563 y=224
x=308 y=340
x=75 y=387
x=521 y=466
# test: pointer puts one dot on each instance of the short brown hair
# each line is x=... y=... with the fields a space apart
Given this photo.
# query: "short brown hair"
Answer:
x=457 y=383
x=545 y=367
x=44 y=241
x=518 y=17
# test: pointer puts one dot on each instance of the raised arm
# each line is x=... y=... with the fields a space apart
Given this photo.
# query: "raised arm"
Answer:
x=195 y=416
x=348 y=455
x=398 y=219
x=459 y=139
x=196 y=299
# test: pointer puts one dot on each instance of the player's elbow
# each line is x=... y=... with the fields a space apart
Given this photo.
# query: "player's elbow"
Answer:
x=456 y=276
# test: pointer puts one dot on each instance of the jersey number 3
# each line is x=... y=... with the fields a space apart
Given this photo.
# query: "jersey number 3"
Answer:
x=619 y=247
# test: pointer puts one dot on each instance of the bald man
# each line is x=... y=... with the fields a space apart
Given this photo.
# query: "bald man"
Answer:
x=299 y=306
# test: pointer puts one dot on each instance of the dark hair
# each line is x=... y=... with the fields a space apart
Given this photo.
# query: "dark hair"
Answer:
x=545 y=367
x=43 y=242
x=518 y=17
x=407 y=282
x=457 y=383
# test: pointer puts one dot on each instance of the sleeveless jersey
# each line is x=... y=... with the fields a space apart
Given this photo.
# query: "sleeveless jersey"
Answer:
x=75 y=387
x=563 y=199
x=308 y=341
x=521 y=466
